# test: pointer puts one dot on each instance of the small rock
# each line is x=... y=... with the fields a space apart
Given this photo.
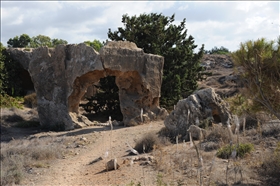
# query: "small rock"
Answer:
x=112 y=165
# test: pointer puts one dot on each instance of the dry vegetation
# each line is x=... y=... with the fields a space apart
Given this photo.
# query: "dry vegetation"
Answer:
x=256 y=162
x=21 y=156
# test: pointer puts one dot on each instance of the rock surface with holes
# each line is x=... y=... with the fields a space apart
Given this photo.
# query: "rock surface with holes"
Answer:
x=62 y=75
x=202 y=106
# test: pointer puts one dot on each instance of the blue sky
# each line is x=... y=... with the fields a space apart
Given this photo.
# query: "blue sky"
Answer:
x=211 y=23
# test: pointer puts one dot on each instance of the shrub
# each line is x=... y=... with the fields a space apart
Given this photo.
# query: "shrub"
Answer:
x=271 y=164
x=9 y=101
x=169 y=134
x=30 y=100
x=241 y=149
x=148 y=142
x=218 y=134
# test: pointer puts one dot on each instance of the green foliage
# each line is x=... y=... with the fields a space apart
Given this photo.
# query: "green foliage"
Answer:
x=19 y=42
x=96 y=44
x=56 y=42
x=24 y=41
x=241 y=149
x=10 y=102
x=2 y=69
x=260 y=61
x=216 y=50
x=10 y=81
x=239 y=104
x=157 y=34
x=106 y=100
x=40 y=40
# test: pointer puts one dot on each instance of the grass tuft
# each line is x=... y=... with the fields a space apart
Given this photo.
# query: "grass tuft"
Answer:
x=148 y=141
x=10 y=102
x=30 y=100
x=242 y=149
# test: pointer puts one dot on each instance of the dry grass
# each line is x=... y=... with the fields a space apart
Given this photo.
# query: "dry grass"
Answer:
x=30 y=100
x=270 y=167
x=17 y=156
x=218 y=134
x=147 y=143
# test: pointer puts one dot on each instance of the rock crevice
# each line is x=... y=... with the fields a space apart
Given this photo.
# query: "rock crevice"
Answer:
x=62 y=75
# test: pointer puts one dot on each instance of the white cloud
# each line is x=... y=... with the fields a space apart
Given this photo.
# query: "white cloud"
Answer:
x=211 y=23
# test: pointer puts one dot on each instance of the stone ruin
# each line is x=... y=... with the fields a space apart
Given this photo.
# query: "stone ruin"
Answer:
x=62 y=75
x=203 y=105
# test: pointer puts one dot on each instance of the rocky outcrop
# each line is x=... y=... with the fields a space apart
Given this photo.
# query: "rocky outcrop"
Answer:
x=62 y=75
x=201 y=106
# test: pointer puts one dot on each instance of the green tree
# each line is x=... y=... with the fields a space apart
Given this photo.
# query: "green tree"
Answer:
x=157 y=34
x=19 y=42
x=106 y=100
x=2 y=70
x=56 y=42
x=260 y=61
x=96 y=44
x=40 y=40
x=216 y=50
x=10 y=82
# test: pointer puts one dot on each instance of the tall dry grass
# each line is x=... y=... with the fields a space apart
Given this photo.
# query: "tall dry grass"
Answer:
x=17 y=156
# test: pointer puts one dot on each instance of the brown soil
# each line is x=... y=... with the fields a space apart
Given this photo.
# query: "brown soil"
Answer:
x=177 y=164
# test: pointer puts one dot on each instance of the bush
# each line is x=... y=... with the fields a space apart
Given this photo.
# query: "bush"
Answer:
x=148 y=142
x=30 y=100
x=271 y=164
x=9 y=101
x=218 y=134
x=242 y=149
x=169 y=134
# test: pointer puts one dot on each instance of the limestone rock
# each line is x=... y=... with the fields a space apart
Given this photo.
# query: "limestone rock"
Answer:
x=201 y=105
x=79 y=120
x=197 y=132
x=62 y=75
x=112 y=165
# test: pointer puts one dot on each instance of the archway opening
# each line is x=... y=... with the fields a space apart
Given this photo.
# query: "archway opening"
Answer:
x=103 y=101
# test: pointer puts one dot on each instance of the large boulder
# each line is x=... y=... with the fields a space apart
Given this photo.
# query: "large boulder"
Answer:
x=62 y=75
x=203 y=105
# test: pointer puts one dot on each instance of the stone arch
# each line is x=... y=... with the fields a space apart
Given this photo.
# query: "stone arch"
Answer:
x=61 y=76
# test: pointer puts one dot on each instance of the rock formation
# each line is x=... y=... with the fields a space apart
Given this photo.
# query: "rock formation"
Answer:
x=62 y=75
x=201 y=106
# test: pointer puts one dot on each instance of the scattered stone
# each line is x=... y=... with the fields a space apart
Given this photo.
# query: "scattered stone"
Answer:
x=112 y=165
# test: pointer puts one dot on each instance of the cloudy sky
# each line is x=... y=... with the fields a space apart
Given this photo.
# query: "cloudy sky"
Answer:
x=211 y=23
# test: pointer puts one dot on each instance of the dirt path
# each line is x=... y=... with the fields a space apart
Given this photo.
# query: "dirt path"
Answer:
x=78 y=170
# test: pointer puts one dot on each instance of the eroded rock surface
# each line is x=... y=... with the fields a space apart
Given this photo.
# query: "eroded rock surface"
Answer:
x=202 y=105
x=62 y=75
